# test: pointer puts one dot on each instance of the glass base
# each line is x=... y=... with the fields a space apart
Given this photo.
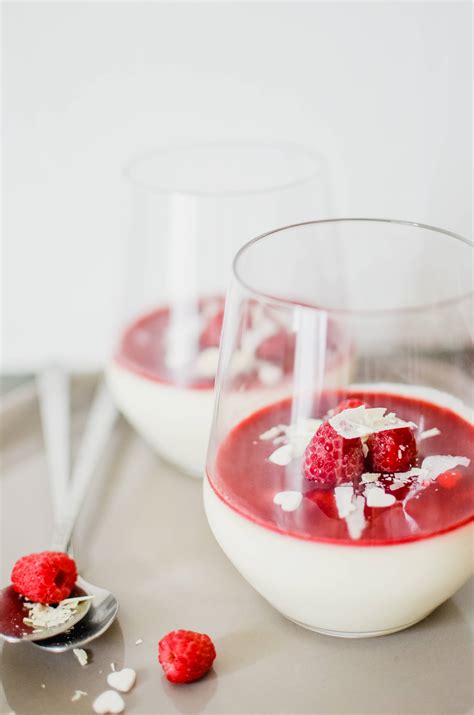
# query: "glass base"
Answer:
x=365 y=634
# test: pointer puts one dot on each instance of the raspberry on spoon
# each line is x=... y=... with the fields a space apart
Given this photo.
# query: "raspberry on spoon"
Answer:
x=330 y=459
x=47 y=577
x=186 y=656
x=392 y=450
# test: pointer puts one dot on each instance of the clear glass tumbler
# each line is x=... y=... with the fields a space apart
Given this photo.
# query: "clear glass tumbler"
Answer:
x=192 y=208
x=344 y=491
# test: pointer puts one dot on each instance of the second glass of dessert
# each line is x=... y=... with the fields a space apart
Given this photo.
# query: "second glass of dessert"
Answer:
x=345 y=493
x=192 y=209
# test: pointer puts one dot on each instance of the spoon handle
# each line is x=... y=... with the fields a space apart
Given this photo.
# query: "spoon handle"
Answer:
x=53 y=392
x=99 y=426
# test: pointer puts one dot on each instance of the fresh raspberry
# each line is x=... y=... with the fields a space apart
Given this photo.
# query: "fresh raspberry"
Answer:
x=348 y=404
x=330 y=459
x=47 y=577
x=211 y=335
x=278 y=348
x=449 y=479
x=186 y=656
x=393 y=450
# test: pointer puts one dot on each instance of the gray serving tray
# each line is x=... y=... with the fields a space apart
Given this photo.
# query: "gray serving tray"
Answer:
x=143 y=534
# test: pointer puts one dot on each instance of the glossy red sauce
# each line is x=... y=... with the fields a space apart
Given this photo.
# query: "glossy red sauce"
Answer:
x=143 y=346
x=247 y=481
x=142 y=349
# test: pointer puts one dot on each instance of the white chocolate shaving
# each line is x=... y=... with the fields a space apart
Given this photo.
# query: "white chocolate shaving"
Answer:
x=343 y=495
x=41 y=616
x=363 y=421
x=78 y=694
x=81 y=655
x=355 y=520
x=296 y=438
x=369 y=477
x=436 y=464
x=273 y=432
x=428 y=433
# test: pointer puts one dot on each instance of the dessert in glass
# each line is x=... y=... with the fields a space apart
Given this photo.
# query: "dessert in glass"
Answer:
x=192 y=208
x=347 y=503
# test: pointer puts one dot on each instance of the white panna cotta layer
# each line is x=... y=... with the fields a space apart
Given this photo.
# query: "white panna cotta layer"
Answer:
x=176 y=421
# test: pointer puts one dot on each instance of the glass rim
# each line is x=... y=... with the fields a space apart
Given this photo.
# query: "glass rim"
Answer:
x=296 y=149
x=349 y=311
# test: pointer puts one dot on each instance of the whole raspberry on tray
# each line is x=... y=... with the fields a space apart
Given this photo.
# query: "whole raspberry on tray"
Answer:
x=186 y=656
x=330 y=459
x=392 y=450
x=47 y=577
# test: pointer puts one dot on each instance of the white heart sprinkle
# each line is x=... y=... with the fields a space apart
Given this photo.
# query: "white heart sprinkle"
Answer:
x=108 y=702
x=282 y=456
x=122 y=680
x=378 y=498
x=289 y=501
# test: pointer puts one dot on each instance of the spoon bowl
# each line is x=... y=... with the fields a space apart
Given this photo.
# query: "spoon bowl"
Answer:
x=102 y=611
x=13 y=612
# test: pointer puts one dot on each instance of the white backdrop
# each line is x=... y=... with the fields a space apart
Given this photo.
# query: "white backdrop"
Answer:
x=383 y=90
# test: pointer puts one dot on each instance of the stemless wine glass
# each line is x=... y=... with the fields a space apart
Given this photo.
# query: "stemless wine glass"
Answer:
x=343 y=491
x=192 y=208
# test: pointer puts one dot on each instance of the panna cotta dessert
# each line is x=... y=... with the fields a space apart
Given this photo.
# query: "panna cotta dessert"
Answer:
x=163 y=372
x=357 y=520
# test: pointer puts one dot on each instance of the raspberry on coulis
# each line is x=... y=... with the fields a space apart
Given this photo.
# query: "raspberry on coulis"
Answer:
x=186 y=656
x=278 y=348
x=331 y=460
x=47 y=577
x=348 y=404
x=449 y=479
x=211 y=335
x=392 y=450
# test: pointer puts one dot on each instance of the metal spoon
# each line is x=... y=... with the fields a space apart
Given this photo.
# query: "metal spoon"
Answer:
x=102 y=610
x=104 y=607
x=53 y=393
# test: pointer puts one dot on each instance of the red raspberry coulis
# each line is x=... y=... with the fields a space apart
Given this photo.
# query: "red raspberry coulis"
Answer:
x=247 y=481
